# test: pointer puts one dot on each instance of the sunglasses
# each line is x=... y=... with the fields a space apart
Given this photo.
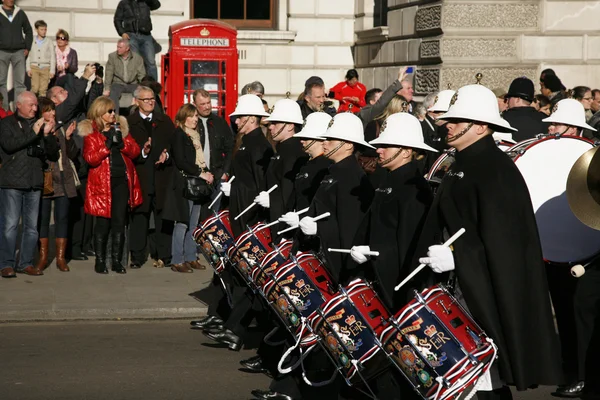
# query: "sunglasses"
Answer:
x=148 y=100
x=61 y=38
x=111 y=111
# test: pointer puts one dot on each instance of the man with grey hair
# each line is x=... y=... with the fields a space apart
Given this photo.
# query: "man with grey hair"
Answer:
x=123 y=73
x=26 y=143
x=255 y=87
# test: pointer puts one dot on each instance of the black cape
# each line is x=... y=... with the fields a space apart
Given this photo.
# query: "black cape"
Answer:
x=527 y=121
x=249 y=166
x=346 y=193
x=308 y=181
x=392 y=227
x=499 y=264
x=282 y=171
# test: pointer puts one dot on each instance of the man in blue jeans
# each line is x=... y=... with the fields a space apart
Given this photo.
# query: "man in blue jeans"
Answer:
x=26 y=143
x=132 y=21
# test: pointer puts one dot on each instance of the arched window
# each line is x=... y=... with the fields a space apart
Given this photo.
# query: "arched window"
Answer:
x=239 y=13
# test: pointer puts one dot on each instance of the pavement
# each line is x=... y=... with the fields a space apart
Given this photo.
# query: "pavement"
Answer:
x=82 y=294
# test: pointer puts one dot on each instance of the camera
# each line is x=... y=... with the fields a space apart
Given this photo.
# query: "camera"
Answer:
x=35 y=151
x=117 y=136
x=99 y=70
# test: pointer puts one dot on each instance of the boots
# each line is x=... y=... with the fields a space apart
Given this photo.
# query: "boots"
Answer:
x=117 y=253
x=61 y=248
x=100 y=248
x=43 y=258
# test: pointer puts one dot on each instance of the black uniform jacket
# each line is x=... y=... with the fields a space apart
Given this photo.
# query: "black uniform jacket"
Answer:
x=307 y=182
x=499 y=265
x=154 y=179
x=392 y=227
x=249 y=166
x=282 y=171
x=527 y=121
x=346 y=193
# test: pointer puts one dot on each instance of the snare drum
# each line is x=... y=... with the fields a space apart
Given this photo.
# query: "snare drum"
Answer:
x=349 y=326
x=433 y=338
x=297 y=290
x=440 y=167
x=545 y=164
x=215 y=237
x=271 y=263
x=249 y=250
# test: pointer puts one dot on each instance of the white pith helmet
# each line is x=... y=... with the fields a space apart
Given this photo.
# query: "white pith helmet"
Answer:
x=479 y=104
x=442 y=101
x=315 y=126
x=249 y=104
x=569 y=112
x=402 y=130
x=286 y=110
x=348 y=128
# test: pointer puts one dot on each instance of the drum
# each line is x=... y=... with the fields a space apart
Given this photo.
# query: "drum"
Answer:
x=215 y=237
x=249 y=250
x=270 y=264
x=297 y=290
x=433 y=338
x=349 y=326
x=440 y=167
x=545 y=164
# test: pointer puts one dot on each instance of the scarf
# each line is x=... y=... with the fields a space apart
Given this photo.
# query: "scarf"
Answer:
x=61 y=59
x=195 y=136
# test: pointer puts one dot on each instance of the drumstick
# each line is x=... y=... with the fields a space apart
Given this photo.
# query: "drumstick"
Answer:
x=366 y=253
x=220 y=194
x=315 y=219
x=253 y=204
x=298 y=212
x=420 y=267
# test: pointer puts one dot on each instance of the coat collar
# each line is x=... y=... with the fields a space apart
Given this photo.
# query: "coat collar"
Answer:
x=16 y=10
x=474 y=151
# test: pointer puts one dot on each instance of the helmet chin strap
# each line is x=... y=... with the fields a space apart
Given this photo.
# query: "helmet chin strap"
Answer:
x=244 y=123
x=392 y=158
x=279 y=133
x=461 y=133
x=332 y=152
x=308 y=146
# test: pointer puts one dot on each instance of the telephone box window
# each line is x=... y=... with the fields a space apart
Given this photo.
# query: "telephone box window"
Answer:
x=239 y=13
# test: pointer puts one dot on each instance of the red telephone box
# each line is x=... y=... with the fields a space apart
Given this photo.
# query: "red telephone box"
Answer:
x=202 y=55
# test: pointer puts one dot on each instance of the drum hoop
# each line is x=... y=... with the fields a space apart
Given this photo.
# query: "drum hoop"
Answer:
x=546 y=138
x=439 y=161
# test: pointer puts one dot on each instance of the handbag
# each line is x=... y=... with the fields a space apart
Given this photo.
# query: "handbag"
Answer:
x=196 y=188
x=48 y=182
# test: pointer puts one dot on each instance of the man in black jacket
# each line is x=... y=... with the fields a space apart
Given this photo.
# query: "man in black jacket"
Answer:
x=520 y=115
x=153 y=133
x=16 y=37
x=132 y=22
x=25 y=146
x=315 y=98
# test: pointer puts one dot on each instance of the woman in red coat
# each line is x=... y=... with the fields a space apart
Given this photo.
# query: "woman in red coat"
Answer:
x=113 y=186
x=349 y=92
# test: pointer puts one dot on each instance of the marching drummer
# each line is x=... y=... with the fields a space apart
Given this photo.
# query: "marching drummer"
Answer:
x=394 y=221
x=498 y=264
x=251 y=155
x=285 y=119
x=567 y=118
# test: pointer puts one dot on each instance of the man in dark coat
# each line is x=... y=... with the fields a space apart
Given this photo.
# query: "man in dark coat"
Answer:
x=315 y=98
x=500 y=273
x=520 y=115
x=153 y=133
x=284 y=165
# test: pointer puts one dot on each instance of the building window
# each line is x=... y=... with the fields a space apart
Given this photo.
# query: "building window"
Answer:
x=380 y=13
x=258 y=14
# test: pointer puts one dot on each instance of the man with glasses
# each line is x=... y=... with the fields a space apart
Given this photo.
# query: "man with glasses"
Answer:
x=17 y=37
x=153 y=133
x=123 y=73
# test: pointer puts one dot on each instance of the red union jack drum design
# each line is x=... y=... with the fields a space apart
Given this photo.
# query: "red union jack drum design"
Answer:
x=215 y=237
x=433 y=339
x=249 y=250
x=271 y=263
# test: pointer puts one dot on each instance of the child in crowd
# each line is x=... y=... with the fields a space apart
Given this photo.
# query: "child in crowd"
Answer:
x=41 y=62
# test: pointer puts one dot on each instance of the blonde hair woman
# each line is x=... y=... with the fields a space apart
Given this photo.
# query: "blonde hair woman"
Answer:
x=113 y=186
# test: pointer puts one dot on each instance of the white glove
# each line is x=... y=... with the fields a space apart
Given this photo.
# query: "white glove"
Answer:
x=439 y=258
x=358 y=253
x=226 y=188
x=263 y=199
x=291 y=218
x=308 y=226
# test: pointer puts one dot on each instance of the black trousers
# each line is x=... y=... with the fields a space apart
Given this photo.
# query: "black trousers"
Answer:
x=80 y=223
x=138 y=234
x=587 y=319
x=118 y=212
x=503 y=393
x=562 y=291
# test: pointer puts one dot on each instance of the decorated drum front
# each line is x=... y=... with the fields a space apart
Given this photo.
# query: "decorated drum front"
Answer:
x=271 y=263
x=215 y=237
x=250 y=249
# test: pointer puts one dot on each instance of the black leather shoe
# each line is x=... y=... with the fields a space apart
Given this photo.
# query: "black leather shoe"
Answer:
x=135 y=265
x=214 y=329
x=227 y=337
x=571 y=391
x=268 y=394
x=253 y=365
x=210 y=320
x=79 y=257
x=117 y=252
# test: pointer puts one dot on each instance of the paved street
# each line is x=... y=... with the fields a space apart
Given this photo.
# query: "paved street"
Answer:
x=153 y=360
